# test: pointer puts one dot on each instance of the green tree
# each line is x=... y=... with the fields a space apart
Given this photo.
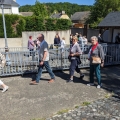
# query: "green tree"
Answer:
x=26 y=8
x=100 y=9
x=40 y=10
x=69 y=8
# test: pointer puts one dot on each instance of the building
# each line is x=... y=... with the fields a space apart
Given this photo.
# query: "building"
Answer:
x=61 y=15
x=79 y=18
x=11 y=9
x=26 y=13
x=110 y=26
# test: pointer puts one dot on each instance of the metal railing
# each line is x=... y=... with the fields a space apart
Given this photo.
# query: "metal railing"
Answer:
x=24 y=61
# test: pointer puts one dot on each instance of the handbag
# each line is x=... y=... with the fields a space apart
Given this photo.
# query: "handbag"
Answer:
x=96 y=60
x=78 y=60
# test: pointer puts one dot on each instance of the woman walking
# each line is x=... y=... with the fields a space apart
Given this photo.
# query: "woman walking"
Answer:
x=74 y=58
x=96 y=57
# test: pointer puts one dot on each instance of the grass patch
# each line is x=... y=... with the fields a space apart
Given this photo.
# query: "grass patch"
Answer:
x=62 y=111
x=76 y=106
x=85 y=103
x=109 y=95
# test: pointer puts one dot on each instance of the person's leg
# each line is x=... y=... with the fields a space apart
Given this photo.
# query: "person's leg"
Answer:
x=48 y=68
x=30 y=52
x=72 y=69
x=91 y=73
x=38 y=76
x=79 y=71
x=97 y=73
x=5 y=87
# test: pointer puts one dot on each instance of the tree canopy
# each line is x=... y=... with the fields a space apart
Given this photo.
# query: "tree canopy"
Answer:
x=69 y=8
x=40 y=10
x=100 y=9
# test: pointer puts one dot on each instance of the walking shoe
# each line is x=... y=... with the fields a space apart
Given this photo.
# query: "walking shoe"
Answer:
x=90 y=84
x=99 y=86
x=82 y=76
x=5 y=89
x=51 y=81
x=33 y=83
x=70 y=80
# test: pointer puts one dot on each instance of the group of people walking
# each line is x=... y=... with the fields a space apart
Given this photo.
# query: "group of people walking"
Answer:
x=95 y=56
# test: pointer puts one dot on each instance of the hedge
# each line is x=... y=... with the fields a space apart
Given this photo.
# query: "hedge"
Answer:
x=15 y=24
x=36 y=23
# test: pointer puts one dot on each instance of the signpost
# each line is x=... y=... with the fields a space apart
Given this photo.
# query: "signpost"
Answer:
x=5 y=3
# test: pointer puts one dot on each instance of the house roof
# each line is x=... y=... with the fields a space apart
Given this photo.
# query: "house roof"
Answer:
x=15 y=4
x=9 y=3
x=80 y=16
x=26 y=13
x=58 y=15
x=111 y=20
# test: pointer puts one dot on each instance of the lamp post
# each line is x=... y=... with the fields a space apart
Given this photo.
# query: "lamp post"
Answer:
x=4 y=3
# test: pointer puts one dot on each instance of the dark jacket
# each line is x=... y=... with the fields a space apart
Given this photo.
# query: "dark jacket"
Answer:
x=56 y=41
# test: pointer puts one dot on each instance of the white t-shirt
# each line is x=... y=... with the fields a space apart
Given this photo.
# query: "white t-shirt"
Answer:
x=62 y=43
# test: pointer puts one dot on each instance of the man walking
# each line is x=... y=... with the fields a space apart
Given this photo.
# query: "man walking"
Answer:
x=43 y=58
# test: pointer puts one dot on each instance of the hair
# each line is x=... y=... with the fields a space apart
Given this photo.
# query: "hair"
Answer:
x=43 y=36
x=63 y=38
x=30 y=37
x=56 y=36
x=75 y=37
x=94 y=37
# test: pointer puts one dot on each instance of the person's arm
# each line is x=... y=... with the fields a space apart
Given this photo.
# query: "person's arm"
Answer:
x=102 y=56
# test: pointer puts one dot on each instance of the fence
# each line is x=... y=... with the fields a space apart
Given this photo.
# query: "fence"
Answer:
x=21 y=60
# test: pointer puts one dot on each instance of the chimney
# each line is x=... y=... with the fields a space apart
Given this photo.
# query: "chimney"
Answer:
x=63 y=12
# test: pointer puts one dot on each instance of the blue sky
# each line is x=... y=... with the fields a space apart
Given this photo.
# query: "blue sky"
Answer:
x=80 y=2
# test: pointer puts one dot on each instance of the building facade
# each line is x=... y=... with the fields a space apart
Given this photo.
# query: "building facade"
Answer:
x=11 y=9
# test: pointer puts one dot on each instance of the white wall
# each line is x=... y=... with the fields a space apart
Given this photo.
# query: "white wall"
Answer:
x=15 y=10
x=49 y=36
x=6 y=11
x=12 y=42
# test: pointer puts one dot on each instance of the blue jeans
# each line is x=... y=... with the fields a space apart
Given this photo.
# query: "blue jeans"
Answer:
x=49 y=70
x=96 y=69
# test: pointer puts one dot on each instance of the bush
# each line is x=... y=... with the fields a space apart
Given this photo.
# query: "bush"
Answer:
x=15 y=24
x=36 y=23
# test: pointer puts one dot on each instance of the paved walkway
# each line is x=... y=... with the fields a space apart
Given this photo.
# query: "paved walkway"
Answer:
x=25 y=102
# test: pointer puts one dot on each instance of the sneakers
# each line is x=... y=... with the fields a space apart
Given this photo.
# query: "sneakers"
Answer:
x=90 y=84
x=5 y=89
x=99 y=86
x=70 y=80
